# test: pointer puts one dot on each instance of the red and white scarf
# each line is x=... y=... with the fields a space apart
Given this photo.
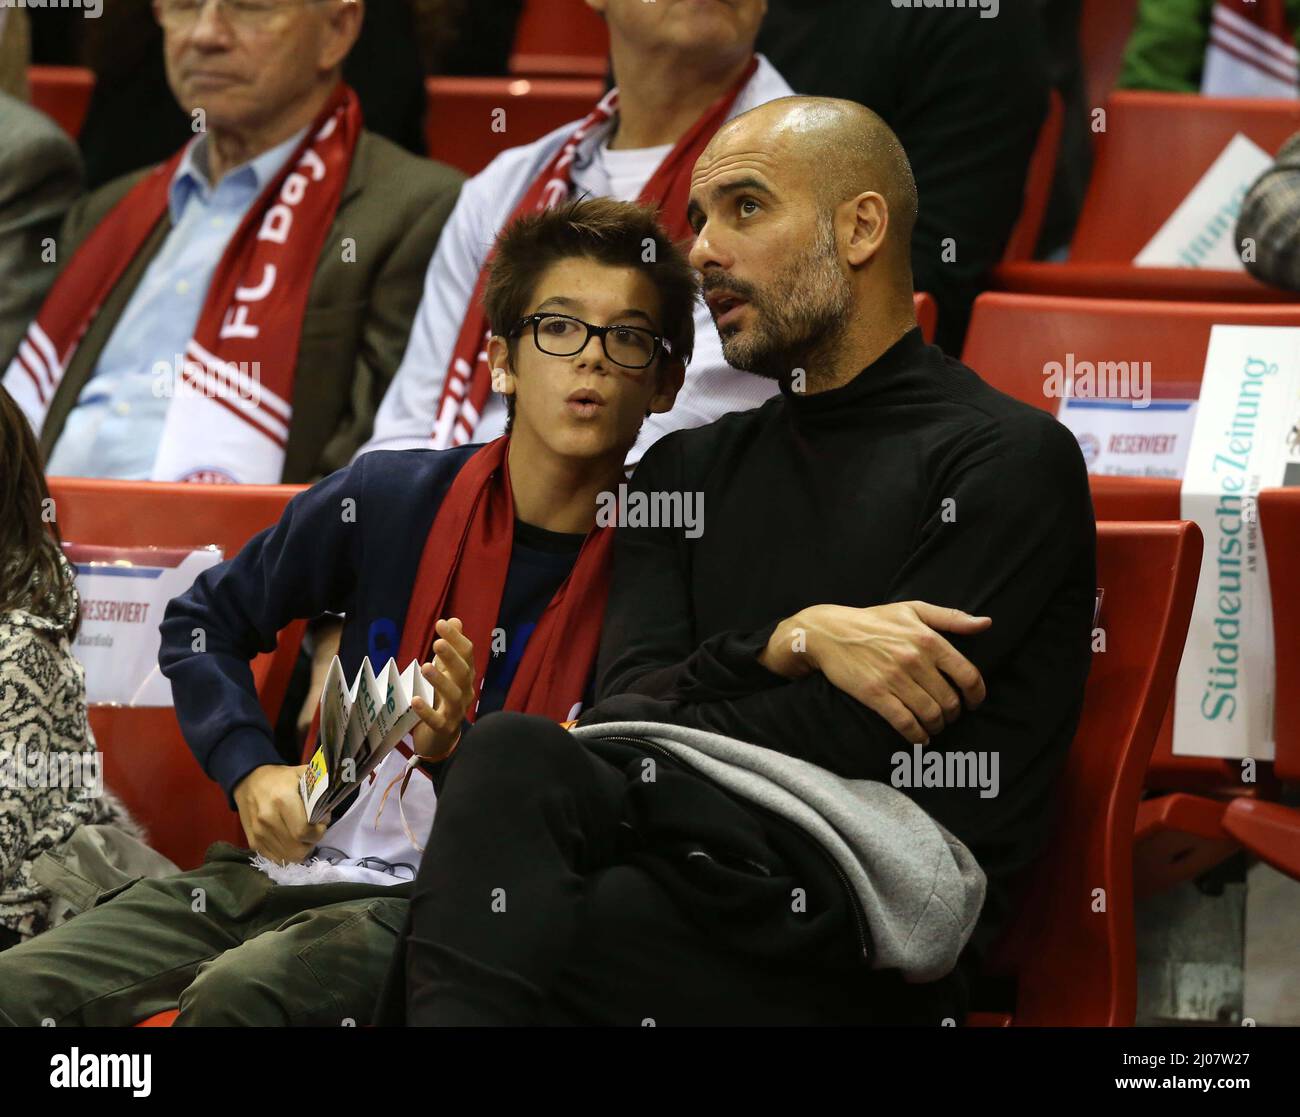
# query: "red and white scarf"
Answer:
x=1252 y=51
x=468 y=382
x=229 y=415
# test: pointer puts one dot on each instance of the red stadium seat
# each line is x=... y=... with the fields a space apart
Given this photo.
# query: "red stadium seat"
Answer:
x=62 y=92
x=1038 y=185
x=146 y=759
x=1072 y=955
x=1011 y=338
x=1129 y=200
x=1104 y=30
x=1182 y=834
x=927 y=314
x=560 y=38
x=1207 y=814
x=470 y=121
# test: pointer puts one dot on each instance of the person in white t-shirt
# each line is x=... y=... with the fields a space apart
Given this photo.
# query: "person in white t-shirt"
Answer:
x=671 y=62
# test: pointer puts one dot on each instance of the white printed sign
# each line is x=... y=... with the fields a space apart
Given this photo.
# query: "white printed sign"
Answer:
x=1250 y=401
x=1201 y=232
x=124 y=592
x=1119 y=439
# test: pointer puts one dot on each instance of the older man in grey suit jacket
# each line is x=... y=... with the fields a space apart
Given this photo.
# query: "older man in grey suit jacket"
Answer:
x=131 y=382
x=40 y=178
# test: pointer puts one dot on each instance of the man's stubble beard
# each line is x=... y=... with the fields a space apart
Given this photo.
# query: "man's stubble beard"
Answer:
x=800 y=318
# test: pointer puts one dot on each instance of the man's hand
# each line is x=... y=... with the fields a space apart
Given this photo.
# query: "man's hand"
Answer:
x=889 y=657
x=451 y=674
x=272 y=814
x=327 y=633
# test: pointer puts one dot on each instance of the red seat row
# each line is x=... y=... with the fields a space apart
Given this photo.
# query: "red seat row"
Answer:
x=1154 y=148
x=1200 y=811
x=146 y=759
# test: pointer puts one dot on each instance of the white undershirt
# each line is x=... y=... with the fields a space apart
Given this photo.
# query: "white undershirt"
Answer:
x=619 y=174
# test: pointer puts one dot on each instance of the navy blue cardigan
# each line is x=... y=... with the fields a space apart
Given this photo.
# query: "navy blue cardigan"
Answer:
x=349 y=544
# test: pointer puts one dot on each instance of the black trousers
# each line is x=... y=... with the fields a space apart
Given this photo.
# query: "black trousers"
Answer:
x=537 y=903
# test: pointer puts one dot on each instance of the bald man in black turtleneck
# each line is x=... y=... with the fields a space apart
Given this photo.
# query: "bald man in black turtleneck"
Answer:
x=885 y=472
x=887 y=492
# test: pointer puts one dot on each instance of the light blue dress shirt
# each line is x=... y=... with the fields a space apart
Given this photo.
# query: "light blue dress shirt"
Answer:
x=115 y=426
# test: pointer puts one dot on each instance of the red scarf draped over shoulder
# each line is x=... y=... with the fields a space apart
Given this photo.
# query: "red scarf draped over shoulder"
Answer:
x=462 y=573
x=468 y=382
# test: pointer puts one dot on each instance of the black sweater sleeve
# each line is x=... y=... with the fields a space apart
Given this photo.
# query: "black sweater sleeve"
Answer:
x=303 y=566
x=648 y=642
x=1019 y=522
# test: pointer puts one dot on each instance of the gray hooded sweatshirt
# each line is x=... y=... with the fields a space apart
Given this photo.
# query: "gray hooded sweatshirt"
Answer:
x=919 y=888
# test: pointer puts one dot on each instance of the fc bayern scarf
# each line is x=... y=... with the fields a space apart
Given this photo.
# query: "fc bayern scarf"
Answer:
x=468 y=382
x=462 y=573
x=229 y=412
x=1251 y=52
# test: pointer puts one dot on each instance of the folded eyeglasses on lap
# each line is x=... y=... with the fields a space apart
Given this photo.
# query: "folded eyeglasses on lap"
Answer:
x=240 y=14
x=562 y=335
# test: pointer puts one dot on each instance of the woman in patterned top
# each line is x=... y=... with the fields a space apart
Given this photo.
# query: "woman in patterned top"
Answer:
x=49 y=778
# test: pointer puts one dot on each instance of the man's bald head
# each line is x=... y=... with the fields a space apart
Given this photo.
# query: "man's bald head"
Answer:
x=803 y=212
x=842 y=148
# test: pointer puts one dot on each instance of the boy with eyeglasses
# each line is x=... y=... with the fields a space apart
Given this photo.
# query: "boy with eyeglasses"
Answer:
x=486 y=560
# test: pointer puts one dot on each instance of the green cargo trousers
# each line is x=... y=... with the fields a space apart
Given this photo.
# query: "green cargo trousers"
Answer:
x=223 y=942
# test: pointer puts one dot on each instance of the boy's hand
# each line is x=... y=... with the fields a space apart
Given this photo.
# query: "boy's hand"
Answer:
x=451 y=674
x=272 y=814
x=889 y=657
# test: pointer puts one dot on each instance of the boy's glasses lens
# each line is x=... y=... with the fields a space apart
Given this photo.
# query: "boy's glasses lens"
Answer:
x=629 y=346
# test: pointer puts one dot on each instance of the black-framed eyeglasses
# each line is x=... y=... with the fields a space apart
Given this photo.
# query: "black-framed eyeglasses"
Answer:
x=562 y=335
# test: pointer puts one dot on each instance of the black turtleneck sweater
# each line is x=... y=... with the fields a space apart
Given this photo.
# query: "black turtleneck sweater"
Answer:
x=915 y=481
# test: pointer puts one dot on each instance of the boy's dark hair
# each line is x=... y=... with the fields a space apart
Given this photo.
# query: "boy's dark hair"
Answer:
x=620 y=234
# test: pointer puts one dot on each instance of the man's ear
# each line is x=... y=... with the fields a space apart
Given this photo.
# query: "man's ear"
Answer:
x=345 y=28
x=503 y=376
x=671 y=377
x=869 y=217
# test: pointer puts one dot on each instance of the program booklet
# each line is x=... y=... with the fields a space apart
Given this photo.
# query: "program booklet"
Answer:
x=359 y=725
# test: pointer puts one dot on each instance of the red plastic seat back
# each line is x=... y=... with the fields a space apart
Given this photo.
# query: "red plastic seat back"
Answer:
x=1130 y=197
x=1012 y=338
x=146 y=759
x=1071 y=944
x=560 y=38
x=1104 y=30
x=470 y=121
x=62 y=92
x=1279 y=519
